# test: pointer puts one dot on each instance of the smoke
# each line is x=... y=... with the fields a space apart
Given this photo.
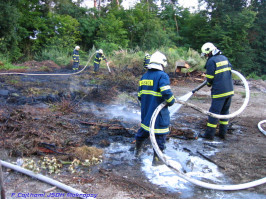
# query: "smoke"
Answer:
x=125 y=113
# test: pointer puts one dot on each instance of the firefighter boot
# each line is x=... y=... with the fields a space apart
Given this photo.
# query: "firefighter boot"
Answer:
x=209 y=133
x=222 y=131
x=138 y=148
x=156 y=160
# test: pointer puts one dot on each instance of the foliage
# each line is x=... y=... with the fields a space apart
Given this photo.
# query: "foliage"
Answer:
x=6 y=65
x=59 y=56
x=9 y=39
x=111 y=34
x=38 y=29
x=255 y=76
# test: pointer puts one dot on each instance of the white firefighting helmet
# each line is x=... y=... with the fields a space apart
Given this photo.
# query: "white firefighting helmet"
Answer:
x=100 y=51
x=77 y=48
x=207 y=48
x=158 y=58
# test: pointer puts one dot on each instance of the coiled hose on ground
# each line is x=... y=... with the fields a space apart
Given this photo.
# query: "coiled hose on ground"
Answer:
x=181 y=174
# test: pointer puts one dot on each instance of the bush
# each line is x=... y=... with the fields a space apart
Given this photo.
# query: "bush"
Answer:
x=59 y=56
x=135 y=57
x=6 y=65
x=254 y=76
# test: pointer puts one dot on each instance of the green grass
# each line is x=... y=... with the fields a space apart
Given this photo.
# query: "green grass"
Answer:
x=9 y=66
x=6 y=65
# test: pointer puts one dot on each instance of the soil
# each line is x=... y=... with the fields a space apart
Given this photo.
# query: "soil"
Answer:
x=69 y=117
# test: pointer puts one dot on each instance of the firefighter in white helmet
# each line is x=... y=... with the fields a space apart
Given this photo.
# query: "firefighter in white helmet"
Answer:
x=219 y=78
x=75 y=57
x=146 y=60
x=99 y=56
x=154 y=88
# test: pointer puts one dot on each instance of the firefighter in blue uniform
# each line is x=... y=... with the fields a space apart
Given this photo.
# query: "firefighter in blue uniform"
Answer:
x=75 y=66
x=219 y=78
x=154 y=88
x=99 y=56
x=146 y=60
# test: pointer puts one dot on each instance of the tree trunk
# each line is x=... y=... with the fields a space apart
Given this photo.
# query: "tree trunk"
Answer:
x=176 y=24
x=95 y=3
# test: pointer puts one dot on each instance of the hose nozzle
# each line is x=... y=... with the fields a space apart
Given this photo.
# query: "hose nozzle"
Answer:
x=199 y=87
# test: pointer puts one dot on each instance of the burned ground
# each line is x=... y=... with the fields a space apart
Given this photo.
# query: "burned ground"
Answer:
x=64 y=116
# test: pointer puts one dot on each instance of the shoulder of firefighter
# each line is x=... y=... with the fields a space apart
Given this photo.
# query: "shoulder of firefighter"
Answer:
x=219 y=76
x=154 y=88
x=99 y=57
x=76 y=56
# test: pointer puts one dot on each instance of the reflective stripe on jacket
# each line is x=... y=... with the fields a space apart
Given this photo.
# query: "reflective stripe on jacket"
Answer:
x=219 y=76
x=154 y=88
x=76 y=56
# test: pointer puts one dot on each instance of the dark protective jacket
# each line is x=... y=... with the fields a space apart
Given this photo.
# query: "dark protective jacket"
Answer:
x=154 y=88
x=219 y=76
x=98 y=58
x=146 y=60
x=76 y=56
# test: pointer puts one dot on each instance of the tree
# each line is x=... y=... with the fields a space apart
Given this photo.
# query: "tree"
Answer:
x=145 y=29
x=230 y=22
x=63 y=31
x=257 y=37
x=9 y=28
x=195 y=29
x=111 y=34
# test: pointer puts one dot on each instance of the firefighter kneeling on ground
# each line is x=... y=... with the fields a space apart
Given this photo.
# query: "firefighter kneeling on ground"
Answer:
x=154 y=88
x=99 y=56
x=219 y=78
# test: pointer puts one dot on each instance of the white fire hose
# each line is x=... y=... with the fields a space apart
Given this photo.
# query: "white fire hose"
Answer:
x=260 y=128
x=186 y=177
x=32 y=74
x=45 y=179
x=244 y=105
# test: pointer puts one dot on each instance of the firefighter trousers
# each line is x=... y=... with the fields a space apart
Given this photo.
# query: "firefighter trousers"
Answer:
x=96 y=67
x=218 y=106
x=75 y=66
x=160 y=139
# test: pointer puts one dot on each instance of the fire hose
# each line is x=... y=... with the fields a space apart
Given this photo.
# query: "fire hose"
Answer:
x=45 y=179
x=259 y=126
x=183 y=175
x=32 y=74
